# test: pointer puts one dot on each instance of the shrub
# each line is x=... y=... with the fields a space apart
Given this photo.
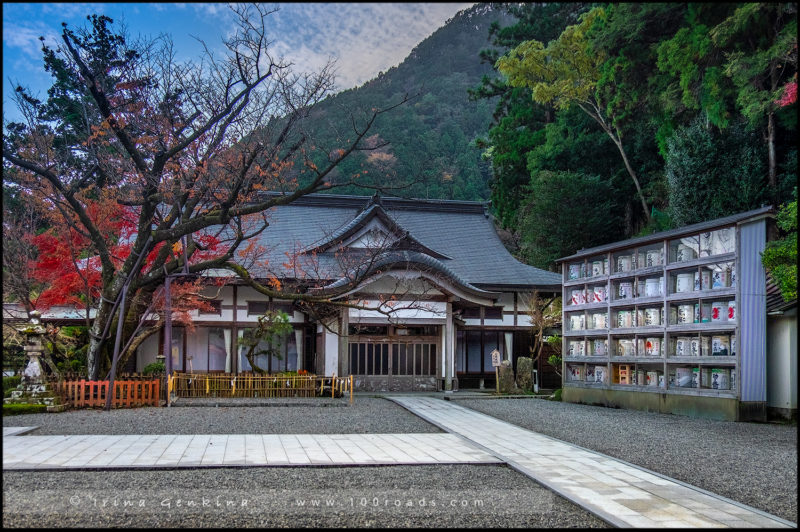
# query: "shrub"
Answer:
x=556 y=395
x=154 y=367
x=10 y=383
x=17 y=409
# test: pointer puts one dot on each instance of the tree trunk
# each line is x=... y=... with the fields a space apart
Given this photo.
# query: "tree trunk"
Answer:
x=616 y=138
x=632 y=173
x=773 y=182
x=104 y=315
x=258 y=369
x=94 y=351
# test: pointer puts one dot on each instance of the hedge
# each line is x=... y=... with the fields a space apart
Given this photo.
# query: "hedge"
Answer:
x=16 y=409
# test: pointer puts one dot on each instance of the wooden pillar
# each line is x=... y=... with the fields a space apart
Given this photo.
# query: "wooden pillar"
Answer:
x=234 y=335
x=344 y=347
x=449 y=348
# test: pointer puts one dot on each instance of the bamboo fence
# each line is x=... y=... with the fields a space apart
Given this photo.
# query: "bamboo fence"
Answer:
x=249 y=385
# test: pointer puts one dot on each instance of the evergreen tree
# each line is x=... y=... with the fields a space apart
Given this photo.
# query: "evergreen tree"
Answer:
x=713 y=173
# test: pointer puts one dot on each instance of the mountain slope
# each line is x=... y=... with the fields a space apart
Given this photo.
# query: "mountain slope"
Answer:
x=430 y=136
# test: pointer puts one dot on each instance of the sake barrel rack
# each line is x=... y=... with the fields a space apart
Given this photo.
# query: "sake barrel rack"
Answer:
x=673 y=321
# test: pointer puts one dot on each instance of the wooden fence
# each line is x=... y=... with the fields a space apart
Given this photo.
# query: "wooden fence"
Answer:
x=253 y=386
x=126 y=393
x=132 y=390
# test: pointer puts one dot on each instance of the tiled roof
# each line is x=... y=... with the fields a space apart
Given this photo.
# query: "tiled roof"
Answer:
x=775 y=301
x=672 y=233
x=460 y=230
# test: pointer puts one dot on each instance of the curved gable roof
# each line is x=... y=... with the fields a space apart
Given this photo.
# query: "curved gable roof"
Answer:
x=374 y=210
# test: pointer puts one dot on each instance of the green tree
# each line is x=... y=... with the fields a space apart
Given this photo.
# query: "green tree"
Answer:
x=731 y=60
x=566 y=211
x=265 y=338
x=713 y=173
x=760 y=40
x=517 y=120
x=566 y=73
x=780 y=256
x=693 y=65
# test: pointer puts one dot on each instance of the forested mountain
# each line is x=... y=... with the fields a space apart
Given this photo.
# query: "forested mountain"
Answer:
x=431 y=137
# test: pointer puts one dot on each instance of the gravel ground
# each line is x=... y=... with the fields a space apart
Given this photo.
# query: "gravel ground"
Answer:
x=395 y=496
x=753 y=463
x=366 y=415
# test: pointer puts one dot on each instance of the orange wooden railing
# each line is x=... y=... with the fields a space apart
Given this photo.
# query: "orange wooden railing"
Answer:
x=126 y=394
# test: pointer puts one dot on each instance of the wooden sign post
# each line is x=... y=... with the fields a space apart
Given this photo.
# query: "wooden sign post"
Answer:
x=496 y=364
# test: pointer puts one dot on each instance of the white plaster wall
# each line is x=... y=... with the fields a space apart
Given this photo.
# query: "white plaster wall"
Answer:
x=197 y=348
x=508 y=320
x=147 y=351
x=225 y=316
x=523 y=320
x=245 y=294
x=506 y=300
x=226 y=295
x=782 y=361
x=428 y=310
x=401 y=283
x=331 y=352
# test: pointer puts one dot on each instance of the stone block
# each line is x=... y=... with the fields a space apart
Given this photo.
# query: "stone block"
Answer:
x=507 y=384
x=525 y=374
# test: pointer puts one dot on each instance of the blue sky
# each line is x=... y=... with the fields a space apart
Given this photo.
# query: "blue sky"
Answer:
x=364 y=38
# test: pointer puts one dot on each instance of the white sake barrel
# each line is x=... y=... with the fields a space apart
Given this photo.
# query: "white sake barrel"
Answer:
x=684 y=282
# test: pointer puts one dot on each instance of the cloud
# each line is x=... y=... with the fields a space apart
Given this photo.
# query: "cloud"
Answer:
x=73 y=9
x=26 y=38
x=365 y=38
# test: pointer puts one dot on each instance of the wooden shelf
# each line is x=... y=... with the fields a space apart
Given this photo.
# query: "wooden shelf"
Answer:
x=710 y=326
x=703 y=361
x=727 y=257
x=585 y=306
x=585 y=332
x=587 y=359
x=637 y=360
x=727 y=293
x=743 y=267
x=641 y=272
x=702 y=392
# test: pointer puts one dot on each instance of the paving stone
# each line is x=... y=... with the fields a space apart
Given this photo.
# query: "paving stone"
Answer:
x=622 y=494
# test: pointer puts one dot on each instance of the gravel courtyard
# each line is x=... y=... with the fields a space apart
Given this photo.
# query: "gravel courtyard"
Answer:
x=755 y=464
x=752 y=463
x=322 y=416
x=393 y=496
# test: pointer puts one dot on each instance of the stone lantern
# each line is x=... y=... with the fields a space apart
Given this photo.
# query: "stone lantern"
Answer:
x=33 y=374
x=34 y=388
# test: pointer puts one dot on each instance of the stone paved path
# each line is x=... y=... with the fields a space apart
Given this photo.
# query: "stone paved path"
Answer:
x=619 y=493
x=16 y=431
x=215 y=450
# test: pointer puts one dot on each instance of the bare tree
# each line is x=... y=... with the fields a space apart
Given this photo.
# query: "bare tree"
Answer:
x=544 y=314
x=180 y=149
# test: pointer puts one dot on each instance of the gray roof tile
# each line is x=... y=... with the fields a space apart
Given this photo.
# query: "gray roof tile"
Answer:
x=459 y=230
x=672 y=233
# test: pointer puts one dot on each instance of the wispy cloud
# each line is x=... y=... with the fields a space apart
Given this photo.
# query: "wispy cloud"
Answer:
x=73 y=9
x=364 y=38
